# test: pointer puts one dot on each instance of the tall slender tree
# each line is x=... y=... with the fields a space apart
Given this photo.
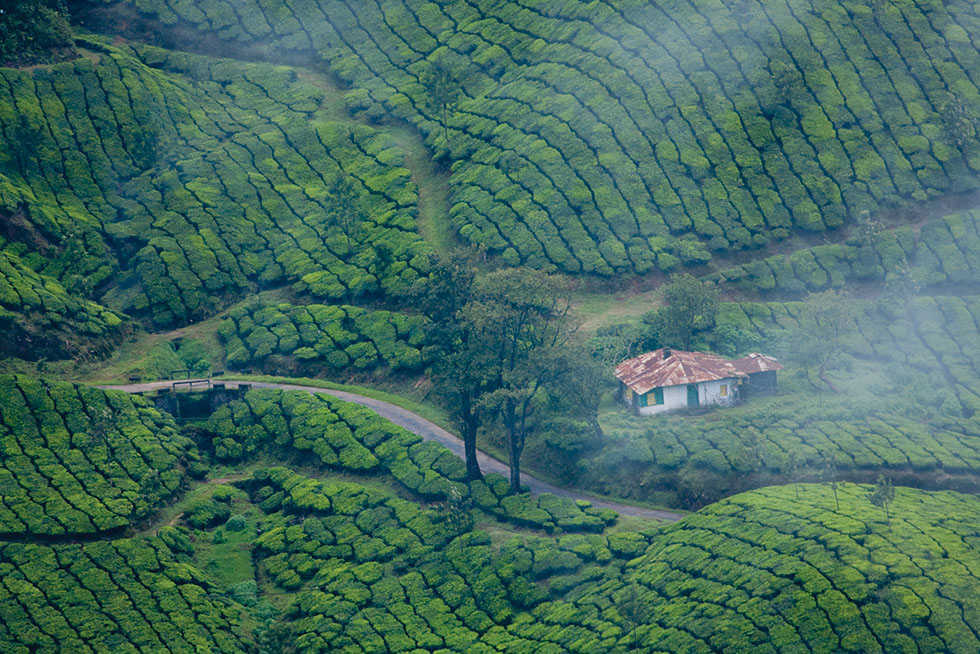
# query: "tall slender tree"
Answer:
x=882 y=495
x=442 y=92
x=523 y=328
x=461 y=372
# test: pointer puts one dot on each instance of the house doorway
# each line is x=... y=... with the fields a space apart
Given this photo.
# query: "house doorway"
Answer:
x=692 y=395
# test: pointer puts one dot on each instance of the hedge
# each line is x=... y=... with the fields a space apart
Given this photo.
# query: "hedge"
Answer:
x=169 y=184
x=133 y=595
x=345 y=436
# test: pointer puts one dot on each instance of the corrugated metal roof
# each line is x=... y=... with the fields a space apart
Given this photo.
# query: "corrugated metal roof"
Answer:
x=652 y=370
x=754 y=362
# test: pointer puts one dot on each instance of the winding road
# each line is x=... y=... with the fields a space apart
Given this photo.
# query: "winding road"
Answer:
x=430 y=431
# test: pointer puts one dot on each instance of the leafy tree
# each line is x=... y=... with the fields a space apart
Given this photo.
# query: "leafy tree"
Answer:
x=344 y=192
x=689 y=307
x=34 y=31
x=442 y=91
x=882 y=495
x=523 y=331
x=959 y=127
x=459 y=516
x=752 y=442
x=824 y=323
x=868 y=230
x=461 y=371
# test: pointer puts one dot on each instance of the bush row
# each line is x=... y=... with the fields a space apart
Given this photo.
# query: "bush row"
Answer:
x=78 y=460
x=378 y=573
x=125 y=596
x=40 y=318
x=809 y=576
x=943 y=251
x=339 y=336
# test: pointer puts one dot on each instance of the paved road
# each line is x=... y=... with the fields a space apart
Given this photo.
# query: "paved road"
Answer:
x=431 y=431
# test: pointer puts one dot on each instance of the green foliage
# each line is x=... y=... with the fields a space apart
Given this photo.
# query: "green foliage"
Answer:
x=345 y=436
x=34 y=31
x=831 y=580
x=207 y=513
x=584 y=140
x=39 y=318
x=689 y=307
x=209 y=178
x=133 y=595
x=376 y=570
x=318 y=336
x=77 y=460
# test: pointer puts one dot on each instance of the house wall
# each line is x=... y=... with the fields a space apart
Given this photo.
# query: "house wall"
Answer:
x=761 y=382
x=675 y=397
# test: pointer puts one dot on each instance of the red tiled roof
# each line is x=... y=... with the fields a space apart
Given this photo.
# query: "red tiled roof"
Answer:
x=652 y=370
x=755 y=362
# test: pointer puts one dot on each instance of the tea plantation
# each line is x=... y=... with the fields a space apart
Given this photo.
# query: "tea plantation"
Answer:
x=349 y=566
x=205 y=177
x=338 y=336
x=938 y=254
x=76 y=460
x=597 y=137
x=336 y=189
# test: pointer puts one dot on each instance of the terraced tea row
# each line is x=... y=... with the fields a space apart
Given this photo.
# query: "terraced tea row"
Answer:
x=207 y=177
x=128 y=596
x=339 y=336
x=584 y=139
x=38 y=313
x=345 y=436
x=934 y=338
x=763 y=571
x=379 y=574
x=769 y=572
x=943 y=251
x=77 y=460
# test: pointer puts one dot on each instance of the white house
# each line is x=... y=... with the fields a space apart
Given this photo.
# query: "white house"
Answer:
x=665 y=379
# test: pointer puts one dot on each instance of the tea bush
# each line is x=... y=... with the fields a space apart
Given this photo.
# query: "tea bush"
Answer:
x=78 y=460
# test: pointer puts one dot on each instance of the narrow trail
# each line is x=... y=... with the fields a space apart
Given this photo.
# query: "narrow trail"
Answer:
x=431 y=431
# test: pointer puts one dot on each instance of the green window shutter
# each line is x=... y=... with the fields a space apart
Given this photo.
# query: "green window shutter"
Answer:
x=658 y=396
x=643 y=399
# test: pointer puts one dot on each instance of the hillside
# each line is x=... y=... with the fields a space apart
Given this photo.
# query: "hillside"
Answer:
x=462 y=215
x=320 y=561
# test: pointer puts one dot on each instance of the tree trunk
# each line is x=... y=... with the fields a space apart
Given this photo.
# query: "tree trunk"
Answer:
x=515 y=464
x=445 y=127
x=515 y=446
x=470 y=427
x=822 y=374
x=806 y=371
